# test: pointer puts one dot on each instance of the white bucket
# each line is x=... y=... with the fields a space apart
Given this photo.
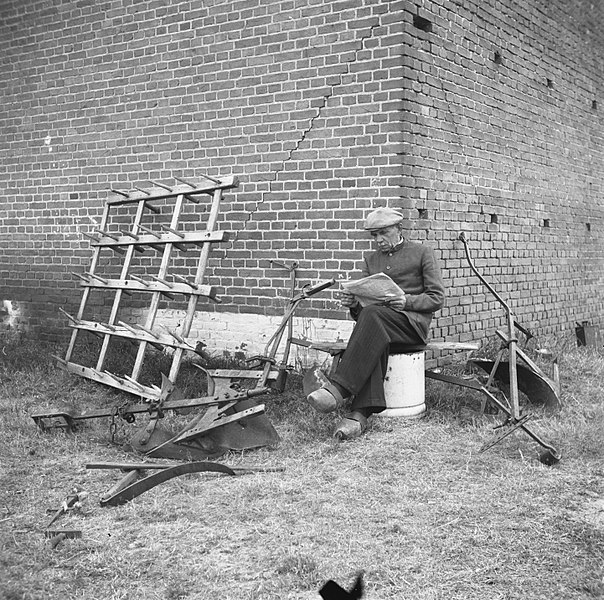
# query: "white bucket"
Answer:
x=405 y=386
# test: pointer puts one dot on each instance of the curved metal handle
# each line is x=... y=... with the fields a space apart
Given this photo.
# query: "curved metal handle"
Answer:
x=319 y=287
x=527 y=333
x=462 y=239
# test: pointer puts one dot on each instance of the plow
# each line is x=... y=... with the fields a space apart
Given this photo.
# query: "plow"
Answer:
x=231 y=419
x=539 y=389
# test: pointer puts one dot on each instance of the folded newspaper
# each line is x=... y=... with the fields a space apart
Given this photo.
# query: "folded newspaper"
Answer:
x=374 y=289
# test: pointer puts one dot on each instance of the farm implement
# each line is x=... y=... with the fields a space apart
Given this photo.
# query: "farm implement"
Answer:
x=232 y=417
x=539 y=389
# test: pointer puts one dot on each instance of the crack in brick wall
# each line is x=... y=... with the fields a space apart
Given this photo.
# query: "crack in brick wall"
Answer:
x=303 y=133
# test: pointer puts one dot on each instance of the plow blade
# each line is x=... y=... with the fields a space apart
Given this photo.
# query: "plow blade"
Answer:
x=538 y=389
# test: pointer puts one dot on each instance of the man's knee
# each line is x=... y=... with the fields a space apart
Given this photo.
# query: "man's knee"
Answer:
x=371 y=313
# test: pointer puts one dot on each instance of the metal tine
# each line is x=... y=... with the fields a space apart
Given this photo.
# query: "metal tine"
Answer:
x=210 y=178
x=135 y=383
x=140 y=279
x=109 y=326
x=120 y=192
x=109 y=235
x=60 y=360
x=174 y=231
x=135 y=238
x=167 y=283
x=173 y=334
x=90 y=236
x=161 y=185
x=185 y=280
x=153 y=233
x=147 y=330
x=82 y=276
x=114 y=237
x=185 y=182
x=133 y=330
x=70 y=317
x=152 y=208
x=112 y=376
x=142 y=190
x=177 y=337
x=187 y=196
x=164 y=281
x=105 y=281
x=128 y=327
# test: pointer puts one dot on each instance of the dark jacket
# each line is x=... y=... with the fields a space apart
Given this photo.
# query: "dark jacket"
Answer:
x=414 y=268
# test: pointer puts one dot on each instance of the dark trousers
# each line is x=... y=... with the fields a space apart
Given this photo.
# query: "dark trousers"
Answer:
x=363 y=365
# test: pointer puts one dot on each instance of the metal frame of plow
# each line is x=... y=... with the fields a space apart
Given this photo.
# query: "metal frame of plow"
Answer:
x=514 y=420
x=136 y=482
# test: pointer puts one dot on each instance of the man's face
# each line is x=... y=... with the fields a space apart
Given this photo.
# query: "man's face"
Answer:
x=386 y=238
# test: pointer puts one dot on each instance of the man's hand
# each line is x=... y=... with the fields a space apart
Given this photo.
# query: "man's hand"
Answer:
x=398 y=305
x=347 y=300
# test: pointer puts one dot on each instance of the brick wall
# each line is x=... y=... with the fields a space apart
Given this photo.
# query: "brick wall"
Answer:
x=483 y=117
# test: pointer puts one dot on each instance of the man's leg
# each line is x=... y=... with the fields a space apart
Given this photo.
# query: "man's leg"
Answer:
x=363 y=365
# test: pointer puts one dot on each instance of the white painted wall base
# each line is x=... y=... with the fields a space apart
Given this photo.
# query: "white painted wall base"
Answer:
x=249 y=333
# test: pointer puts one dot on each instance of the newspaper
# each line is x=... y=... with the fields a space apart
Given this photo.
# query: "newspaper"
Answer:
x=375 y=289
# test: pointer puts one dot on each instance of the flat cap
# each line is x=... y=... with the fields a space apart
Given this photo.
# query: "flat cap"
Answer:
x=383 y=217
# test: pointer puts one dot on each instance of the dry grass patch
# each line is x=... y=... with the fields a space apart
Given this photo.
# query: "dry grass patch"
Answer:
x=413 y=504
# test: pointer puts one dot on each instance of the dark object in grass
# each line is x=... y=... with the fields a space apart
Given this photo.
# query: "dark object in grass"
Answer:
x=131 y=486
x=56 y=536
x=549 y=457
x=332 y=591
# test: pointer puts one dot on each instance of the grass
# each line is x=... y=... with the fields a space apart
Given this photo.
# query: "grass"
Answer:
x=413 y=504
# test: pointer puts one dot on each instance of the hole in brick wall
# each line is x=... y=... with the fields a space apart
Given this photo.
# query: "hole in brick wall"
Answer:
x=497 y=58
x=588 y=226
x=494 y=219
x=421 y=23
x=594 y=104
x=546 y=223
x=422 y=213
x=550 y=83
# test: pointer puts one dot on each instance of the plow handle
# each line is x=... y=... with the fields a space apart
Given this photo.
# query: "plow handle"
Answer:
x=319 y=287
x=524 y=330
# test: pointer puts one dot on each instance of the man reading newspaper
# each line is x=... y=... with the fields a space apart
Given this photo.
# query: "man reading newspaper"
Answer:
x=400 y=320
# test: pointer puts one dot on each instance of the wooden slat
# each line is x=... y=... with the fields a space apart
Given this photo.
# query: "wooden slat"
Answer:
x=119 y=292
x=123 y=332
x=156 y=297
x=84 y=300
x=240 y=374
x=132 y=285
x=147 y=239
x=225 y=183
x=201 y=269
x=337 y=347
x=452 y=346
